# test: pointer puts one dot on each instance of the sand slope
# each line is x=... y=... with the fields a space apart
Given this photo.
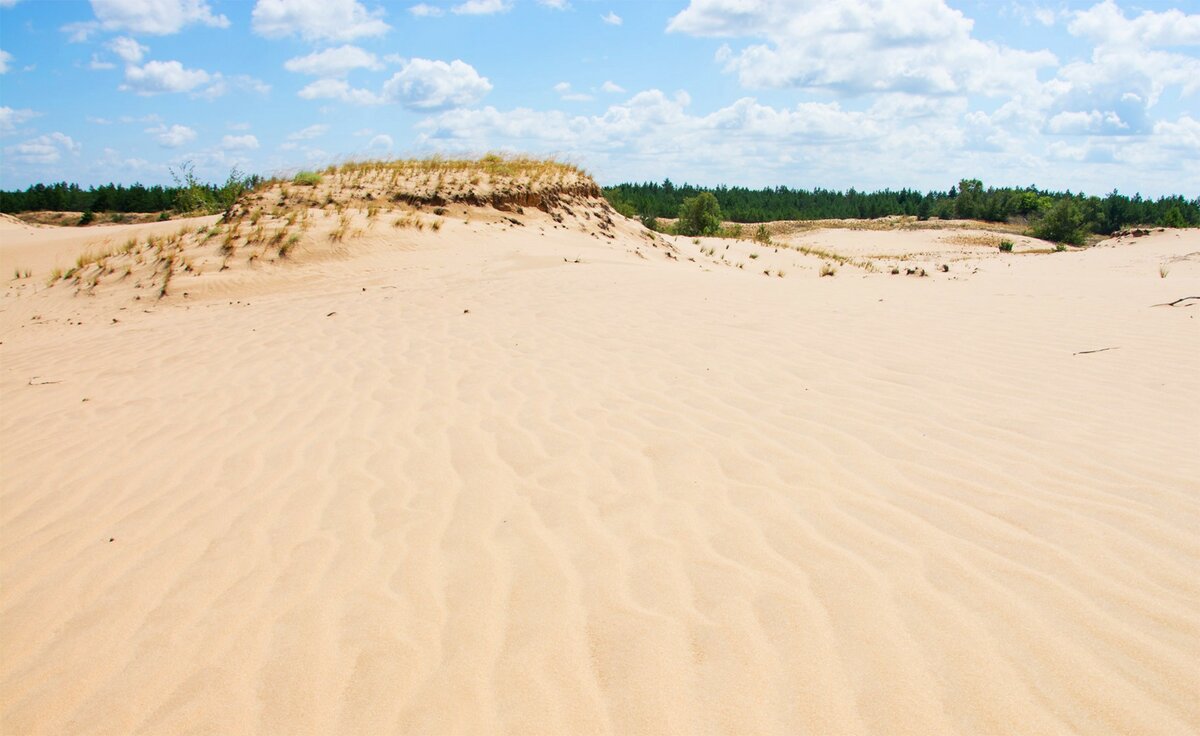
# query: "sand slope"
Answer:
x=449 y=483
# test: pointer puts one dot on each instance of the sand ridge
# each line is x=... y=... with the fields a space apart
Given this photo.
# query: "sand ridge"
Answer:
x=528 y=479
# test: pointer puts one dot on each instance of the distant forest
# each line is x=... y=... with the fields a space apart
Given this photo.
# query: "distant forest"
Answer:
x=968 y=200
x=64 y=197
x=188 y=195
x=649 y=201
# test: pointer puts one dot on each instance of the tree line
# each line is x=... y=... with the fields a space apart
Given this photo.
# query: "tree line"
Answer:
x=186 y=196
x=1068 y=215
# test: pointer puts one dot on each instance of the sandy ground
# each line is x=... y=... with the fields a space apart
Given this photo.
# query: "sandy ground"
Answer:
x=459 y=483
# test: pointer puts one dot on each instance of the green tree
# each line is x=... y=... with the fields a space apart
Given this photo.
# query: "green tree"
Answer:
x=699 y=215
x=1063 y=223
x=1174 y=218
x=967 y=204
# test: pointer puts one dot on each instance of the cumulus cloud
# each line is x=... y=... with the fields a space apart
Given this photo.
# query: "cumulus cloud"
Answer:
x=154 y=17
x=612 y=19
x=10 y=119
x=333 y=62
x=1182 y=134
x=1129 y=70
x=652 y=121
x=425 y=10
x=312 y=131
x=1106 y=25
x=566 y=93
x=239 y=142
x=916 y=46
x=127 y=49
x=45 y=149
x=1091 y=122
x=158 y=77
x=381 y=142
x=221 y=85
x=338 y=89
x=424 y=84
x=317 y=20
x=5 y=59
x=482 y=7
x=173 y=136
x=555 y=4
x=612 y=87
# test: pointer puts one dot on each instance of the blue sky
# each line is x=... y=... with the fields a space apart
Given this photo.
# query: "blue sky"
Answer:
x=809 y=93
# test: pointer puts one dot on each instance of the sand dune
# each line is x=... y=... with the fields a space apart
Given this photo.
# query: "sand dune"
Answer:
x=524 y=479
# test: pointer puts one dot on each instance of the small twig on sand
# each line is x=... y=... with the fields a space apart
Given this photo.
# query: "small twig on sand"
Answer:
x=1098 y=350
x=34 y=382
x=1177 y=301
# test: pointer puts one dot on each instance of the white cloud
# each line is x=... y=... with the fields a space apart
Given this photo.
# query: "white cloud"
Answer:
x=555 y=4
x=482 y=7
x=612 y=19
x=222 y=84
x=381 y=141
x=239 y=142
x=870 y=46
x=612 y=87
x=1115 y=90
x=8 y=3
x=99 y=64
x=157 y=77
x=317 y=20
x=564 y=92
x=154 y=17
x=1183 y=133
x=338 y=89
x=312 y=131
x=423 y=84
x=425 y=10
x=45 y=149
x=5 y=59
x=651 y=121
x=129 y=50
x=333 y=62
x=172 y=136
x=10 y=119
x=1106 y=25
x=1083 y=123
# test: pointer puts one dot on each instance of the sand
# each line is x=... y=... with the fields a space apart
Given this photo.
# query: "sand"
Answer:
x=527 y=480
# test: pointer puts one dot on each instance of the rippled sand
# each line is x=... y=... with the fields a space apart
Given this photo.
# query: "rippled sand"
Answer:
x=465 y=487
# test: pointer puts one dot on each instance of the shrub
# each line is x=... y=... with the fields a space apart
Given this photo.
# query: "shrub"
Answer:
x=1063 y=223
x=1006 y=246
x=762 y=234
x=87 y=218
x=307 y=178
x=1174 y=218
x=699 y=215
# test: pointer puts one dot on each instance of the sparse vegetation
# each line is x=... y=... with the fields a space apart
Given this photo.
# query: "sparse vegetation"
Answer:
x=1006 y=246
x=828 y=269
x=307 y=179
